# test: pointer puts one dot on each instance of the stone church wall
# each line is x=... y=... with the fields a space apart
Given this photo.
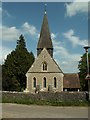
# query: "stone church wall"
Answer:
x=49 y=81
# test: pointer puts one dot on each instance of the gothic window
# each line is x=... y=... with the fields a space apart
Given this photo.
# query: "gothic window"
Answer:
x=34 y=82
x=44 y=66
x=55 y=82
x=44 y=82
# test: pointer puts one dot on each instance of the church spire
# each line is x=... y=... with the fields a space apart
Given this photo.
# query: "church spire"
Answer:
x=45 y=38
x=45 y=9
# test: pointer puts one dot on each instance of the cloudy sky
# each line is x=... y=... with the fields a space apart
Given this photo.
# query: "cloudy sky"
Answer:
x=68 y=23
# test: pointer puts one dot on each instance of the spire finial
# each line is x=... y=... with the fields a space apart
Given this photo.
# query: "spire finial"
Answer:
x=45 y=8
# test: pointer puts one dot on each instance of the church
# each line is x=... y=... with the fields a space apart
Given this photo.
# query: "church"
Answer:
x=45 y=74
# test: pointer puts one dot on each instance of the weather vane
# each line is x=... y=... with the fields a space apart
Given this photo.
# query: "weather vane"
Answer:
x=45 y=7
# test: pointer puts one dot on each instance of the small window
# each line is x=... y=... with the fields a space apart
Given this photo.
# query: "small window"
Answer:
x=34 y=82
x=44 y=66
x=55 y=82
x=44 y=82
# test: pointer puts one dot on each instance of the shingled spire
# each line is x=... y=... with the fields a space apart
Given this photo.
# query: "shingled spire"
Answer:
x=45 y=38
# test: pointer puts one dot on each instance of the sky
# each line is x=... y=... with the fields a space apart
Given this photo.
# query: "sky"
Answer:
x=68 y=24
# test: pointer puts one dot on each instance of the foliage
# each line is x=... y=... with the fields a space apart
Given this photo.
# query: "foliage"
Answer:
x=83 y=72
x=15 y=67
x=28 y=101
x=0 y=77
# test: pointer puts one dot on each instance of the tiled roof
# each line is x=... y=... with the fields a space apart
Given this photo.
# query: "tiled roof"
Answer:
x=71 y=81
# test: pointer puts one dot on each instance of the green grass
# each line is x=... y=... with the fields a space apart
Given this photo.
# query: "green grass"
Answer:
x=29 y=101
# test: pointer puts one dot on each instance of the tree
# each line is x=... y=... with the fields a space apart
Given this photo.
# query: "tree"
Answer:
x=0 y=77
x=83 y=72
x=15 y=67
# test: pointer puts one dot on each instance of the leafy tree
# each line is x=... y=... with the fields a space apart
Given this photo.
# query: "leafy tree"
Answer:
x=83 y=72
x=15 y=67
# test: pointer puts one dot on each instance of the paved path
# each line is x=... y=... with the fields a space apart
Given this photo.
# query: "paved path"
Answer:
x=34 y=111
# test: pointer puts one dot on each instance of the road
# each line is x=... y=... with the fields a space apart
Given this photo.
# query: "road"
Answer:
x=33 y=111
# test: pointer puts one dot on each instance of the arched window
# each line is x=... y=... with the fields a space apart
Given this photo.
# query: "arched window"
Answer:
x=44 y=66
x=34 y=82
x=44 y=82
x=55 y=82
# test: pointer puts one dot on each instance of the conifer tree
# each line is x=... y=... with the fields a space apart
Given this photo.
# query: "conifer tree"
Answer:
x=15 y=67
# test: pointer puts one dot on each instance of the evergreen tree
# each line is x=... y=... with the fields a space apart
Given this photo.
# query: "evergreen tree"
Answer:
x=15 y=67
x=83 y=72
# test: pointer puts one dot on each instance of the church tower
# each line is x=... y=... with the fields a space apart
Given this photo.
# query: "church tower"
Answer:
x=45 y=38
x=44 y=74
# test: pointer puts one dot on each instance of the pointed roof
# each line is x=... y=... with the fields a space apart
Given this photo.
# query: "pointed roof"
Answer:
x=44 y=56
x=45 y=38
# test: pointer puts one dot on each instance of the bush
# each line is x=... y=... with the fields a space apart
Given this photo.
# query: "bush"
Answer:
x=22 y=98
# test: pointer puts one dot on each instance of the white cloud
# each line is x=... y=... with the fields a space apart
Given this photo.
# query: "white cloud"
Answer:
x=60 y=50
x=9 y=33
x=4 y=52
x=12 y=33
x=30 y=29
x=74 y=39
x=53 y=36
x=68 y=62
x=76 y=7
x=81 y=1
x=64 y=53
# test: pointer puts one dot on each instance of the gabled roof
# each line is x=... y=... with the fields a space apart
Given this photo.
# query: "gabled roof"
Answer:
x=45 y=38
x=57 y=65
x=44 y=56
x=71 y=81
